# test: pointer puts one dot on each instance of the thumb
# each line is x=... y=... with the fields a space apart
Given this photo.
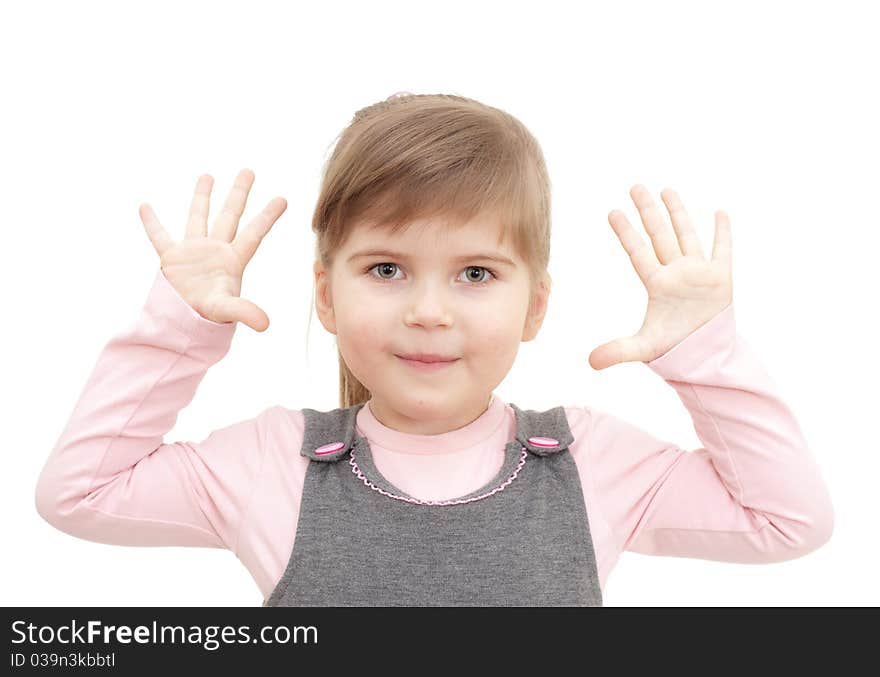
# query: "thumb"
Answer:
x=625 y=349
x=237 y=309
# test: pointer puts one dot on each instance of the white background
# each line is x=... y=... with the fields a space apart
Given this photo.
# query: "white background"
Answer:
x=765 y=110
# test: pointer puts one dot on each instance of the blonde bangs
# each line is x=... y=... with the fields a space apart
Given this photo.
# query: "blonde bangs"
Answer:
x=435 y=157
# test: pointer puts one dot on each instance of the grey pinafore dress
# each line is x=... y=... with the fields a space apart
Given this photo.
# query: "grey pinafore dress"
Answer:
x=523 y=539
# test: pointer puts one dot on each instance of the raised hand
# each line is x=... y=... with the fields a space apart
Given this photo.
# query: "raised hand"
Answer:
x=206 y=269
x=684 y=289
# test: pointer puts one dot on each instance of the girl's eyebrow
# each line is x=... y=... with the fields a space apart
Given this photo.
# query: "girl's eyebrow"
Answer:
x=404 y=257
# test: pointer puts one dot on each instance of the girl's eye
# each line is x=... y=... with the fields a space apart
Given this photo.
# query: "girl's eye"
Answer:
x=484 y=279
x=389 y=268
x=384 y=268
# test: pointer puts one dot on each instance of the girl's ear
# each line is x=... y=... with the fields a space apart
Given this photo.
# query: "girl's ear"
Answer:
x=324 y=298
x=537 y=308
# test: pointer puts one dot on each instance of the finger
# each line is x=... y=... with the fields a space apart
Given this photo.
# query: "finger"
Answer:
x=227 y=220
x=626 y=349
x=237 y=309
x=249 y=239
x=197 y=225
x=640 y=254
x=662 y=234
x=684 y=228
x=158 y=235
x=722 y=250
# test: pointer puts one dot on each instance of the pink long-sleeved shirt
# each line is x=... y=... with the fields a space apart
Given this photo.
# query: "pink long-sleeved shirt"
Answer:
x=753 y=493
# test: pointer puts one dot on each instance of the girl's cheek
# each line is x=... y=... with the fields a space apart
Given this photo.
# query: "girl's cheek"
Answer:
x=495 y=319
x=492 y=343
x=371 y=335
x=365 y=305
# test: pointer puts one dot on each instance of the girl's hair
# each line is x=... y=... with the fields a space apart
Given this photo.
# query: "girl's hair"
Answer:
x=417 y=156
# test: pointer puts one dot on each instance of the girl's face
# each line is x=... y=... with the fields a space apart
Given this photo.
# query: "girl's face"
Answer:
x=428 y=289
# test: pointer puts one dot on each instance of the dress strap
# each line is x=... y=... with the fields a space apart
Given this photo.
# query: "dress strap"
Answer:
x=329 y=434
x=543 y=432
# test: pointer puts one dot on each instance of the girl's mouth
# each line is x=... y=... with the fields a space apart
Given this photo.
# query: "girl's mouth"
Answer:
x=426 y=366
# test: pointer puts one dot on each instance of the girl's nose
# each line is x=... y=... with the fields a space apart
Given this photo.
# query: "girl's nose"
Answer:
x=429 y=306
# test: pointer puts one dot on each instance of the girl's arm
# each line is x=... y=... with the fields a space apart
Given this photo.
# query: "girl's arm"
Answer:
x=110 y=477
x=752 y=493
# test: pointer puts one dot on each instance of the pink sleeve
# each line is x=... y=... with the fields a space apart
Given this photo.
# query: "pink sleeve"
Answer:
x=110 y=477
x=752 y=494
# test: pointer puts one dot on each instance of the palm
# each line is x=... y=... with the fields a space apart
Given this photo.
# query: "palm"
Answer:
x=684 y=289
x=205 y=257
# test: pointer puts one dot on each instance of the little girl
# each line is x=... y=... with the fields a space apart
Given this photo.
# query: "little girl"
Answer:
x=424 y=488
